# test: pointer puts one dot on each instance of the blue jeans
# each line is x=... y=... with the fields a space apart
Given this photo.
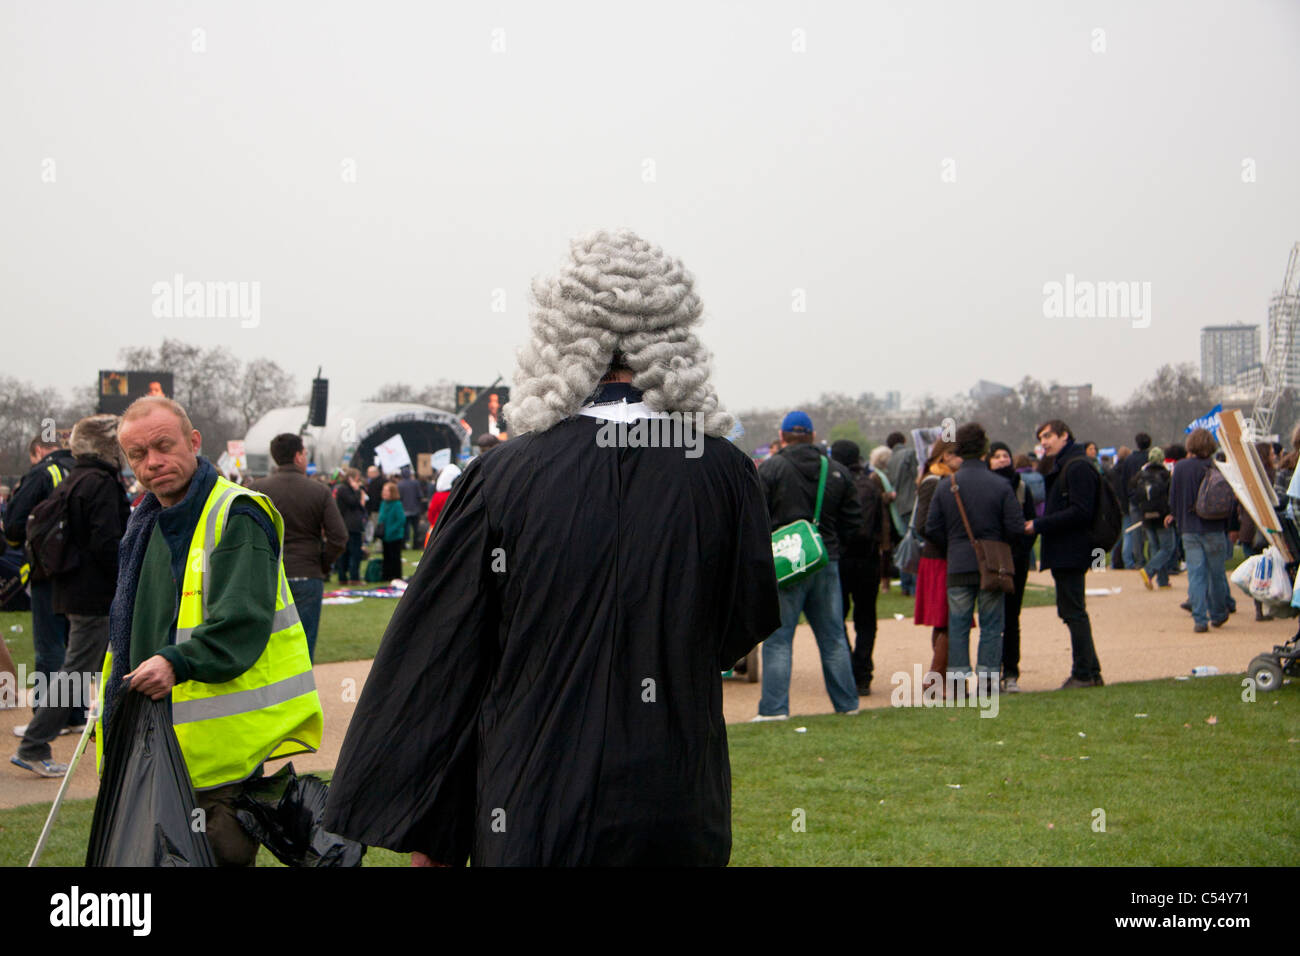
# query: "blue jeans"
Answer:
x=1133 y=540
x=307 y=595
x=961 y=611
x=1207 y=586
x=1164 y=552
x=348 y=565
x=818 y=597
x=49 y=635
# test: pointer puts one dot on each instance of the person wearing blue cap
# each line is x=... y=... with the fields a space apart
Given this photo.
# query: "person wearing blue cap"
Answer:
x=790 y=479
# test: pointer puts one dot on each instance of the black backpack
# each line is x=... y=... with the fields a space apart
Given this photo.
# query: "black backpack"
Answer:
x=1151 y=494
x=872 y=500
x=50 y=551
x=1107 y=514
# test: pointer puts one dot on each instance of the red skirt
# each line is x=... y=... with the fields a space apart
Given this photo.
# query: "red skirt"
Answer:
x=932 y=593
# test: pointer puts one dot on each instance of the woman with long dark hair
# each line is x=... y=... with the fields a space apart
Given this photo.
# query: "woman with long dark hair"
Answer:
x=932 y=574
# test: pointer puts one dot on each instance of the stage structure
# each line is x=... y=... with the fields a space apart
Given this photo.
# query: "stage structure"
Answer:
x=354 y=431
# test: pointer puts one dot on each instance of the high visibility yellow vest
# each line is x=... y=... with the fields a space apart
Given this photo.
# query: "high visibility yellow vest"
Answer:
x=271 y=710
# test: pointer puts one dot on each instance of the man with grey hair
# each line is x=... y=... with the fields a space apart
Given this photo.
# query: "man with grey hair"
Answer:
x=902 y=473
x=553 y=670
x=97 y=512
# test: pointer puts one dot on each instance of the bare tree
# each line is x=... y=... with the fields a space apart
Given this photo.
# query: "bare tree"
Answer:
x=25 y=412
x=265 y=386
x=441 y=394
x=223 y=398
x=1164 y=405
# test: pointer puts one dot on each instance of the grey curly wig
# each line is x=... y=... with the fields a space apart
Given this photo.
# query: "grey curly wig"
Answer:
x=619 y=294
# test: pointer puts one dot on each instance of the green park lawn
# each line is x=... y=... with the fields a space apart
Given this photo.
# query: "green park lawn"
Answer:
x=922 y=786
x=1203 y=779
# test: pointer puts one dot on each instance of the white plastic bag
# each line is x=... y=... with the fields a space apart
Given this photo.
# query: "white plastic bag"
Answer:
x=1242 y=574
x=1262 y=579
x=1279 y=588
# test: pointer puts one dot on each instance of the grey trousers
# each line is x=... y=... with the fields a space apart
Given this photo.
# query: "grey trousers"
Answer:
x=69 y=692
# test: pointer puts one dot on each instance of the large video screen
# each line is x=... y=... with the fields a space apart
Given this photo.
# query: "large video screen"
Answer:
x=117 y=390
x=481 y=409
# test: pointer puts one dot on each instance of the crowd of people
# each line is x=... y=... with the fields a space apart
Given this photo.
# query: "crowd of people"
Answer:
x=547 y=690
x=971 y=489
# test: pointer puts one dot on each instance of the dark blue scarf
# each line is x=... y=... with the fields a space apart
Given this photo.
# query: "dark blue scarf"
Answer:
x=130 y=562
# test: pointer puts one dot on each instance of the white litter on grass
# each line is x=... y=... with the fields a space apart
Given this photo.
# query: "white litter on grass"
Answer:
x=1002 y=743
x=801 y=730
x=1139 y=715
x=954 y=786
x=898 y=617
x=1084 y=758
x=1101 y=592
x=1182 y=677
x=1082 y=734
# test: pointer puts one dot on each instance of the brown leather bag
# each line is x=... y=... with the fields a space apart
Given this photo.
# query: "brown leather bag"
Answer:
x=996 y=564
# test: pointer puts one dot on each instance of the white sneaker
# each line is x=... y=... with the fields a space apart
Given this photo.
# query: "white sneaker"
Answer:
x=1009 y=686
x=848 y=713
x=764 y=717
x=21 y=730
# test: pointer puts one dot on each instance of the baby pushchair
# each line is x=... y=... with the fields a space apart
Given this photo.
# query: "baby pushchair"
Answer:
x=1268 y=669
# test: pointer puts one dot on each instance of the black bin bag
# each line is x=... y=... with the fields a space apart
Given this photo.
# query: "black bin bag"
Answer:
x=144 y=814
x=284 y=813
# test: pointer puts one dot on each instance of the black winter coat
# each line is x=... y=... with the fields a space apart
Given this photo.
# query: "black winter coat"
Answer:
x=1068 y=516
x=548 y=692
x=349 y=502
x=97 y=516
x=921 y=513
x=1129 y=467
x=790 y=480
x=1153 y=476
x=991 y=508
x=34 y=488
x=866 y=544
x=1022 y=548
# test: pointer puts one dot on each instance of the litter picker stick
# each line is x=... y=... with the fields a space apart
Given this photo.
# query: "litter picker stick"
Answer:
x=67 y=779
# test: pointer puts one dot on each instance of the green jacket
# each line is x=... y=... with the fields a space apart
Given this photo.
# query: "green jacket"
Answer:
x=241 y=605
x=392 y=519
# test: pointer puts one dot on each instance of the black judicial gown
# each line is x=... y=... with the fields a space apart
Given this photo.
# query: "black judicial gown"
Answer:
x=548 y=689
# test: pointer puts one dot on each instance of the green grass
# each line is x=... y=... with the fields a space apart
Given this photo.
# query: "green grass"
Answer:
x=1175 y=790
x=874 y=789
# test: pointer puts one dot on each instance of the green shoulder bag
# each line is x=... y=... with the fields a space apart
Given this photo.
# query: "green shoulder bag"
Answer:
x=797 y=547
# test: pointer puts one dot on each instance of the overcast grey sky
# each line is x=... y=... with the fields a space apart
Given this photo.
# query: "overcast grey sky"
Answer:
x=917 y=171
